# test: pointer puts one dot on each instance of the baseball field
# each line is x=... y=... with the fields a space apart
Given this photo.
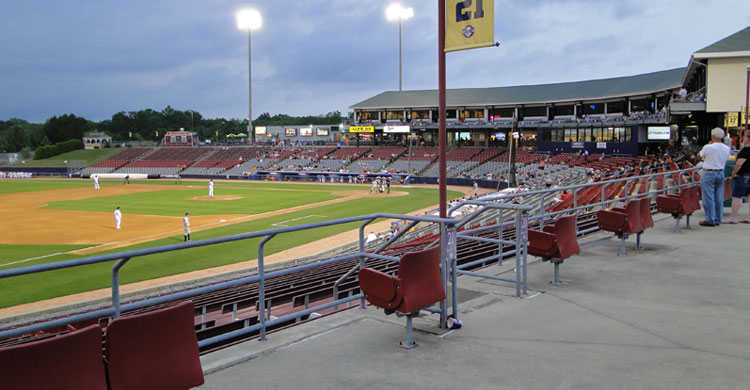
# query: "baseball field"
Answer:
x=48 y=220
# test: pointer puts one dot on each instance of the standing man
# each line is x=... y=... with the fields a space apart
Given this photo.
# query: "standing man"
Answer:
x=476 y=189
x=127 y=180
x=211 y=188
x=186 y=226
x=388 y=183
x=741 y=177
x=118 y=218
x=715 y=155
x=96 y=182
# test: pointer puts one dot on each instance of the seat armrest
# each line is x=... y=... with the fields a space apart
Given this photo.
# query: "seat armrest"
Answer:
x=380 y=289
x=549 y=229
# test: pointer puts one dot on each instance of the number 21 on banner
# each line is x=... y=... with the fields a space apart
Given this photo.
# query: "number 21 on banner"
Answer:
x=462 y=14
x=471 y=25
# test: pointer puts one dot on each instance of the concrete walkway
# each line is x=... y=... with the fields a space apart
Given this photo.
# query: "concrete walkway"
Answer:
x=673 y=316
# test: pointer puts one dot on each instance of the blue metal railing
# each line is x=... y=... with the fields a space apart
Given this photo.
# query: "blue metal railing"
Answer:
x=122 y=258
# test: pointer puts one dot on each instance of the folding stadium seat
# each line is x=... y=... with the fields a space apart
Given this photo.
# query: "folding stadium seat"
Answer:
x=622 y=222
x=69 y=362
x=154 y=350
x=555 y=243
x=682 y=204
x=417 y=285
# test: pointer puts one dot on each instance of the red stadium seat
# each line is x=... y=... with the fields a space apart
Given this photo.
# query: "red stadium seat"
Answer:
x=418 y=285
x=682 y=204
x=555 y=243
x=154 y=350
x=69 y=362
x=621 y=221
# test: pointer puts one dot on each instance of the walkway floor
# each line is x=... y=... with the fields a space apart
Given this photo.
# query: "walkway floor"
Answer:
x=673 y=316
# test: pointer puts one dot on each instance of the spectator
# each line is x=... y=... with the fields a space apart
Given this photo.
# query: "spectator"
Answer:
x=741 y=177
x=715 y=155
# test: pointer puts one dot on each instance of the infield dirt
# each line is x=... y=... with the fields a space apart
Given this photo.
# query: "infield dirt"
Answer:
x=26 y=221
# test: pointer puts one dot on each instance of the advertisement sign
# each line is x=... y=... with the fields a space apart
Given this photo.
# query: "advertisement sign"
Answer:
x=732 y=119
x=260 y=130
x=396 y=129
x=601 y=145
x=305 y=131
x=659 y=133
x=469 y=24
x=576 y=145
x=361 y=129
x=322 y=131
x=290 y=132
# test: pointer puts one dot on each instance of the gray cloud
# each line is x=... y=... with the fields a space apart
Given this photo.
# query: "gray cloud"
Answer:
x=313 y=56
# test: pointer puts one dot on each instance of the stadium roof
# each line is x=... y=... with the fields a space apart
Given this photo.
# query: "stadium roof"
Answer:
x=644 y=84
x=735 y=45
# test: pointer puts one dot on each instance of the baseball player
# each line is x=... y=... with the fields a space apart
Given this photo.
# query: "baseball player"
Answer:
x=186 y=226
x=96 y=182
x=118 y=217
x=211 y=188
x=476 y=189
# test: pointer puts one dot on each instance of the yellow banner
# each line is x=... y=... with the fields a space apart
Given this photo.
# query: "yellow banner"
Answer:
x=361 y=129
x=732 y=119
x=469 y=24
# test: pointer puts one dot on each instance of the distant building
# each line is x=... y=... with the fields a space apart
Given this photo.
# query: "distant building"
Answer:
x=96 y=140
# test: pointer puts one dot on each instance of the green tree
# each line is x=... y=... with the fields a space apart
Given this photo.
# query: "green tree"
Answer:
x=66 y=127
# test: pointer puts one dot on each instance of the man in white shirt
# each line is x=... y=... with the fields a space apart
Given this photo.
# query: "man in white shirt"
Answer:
x=186 y=226
x=211 y=188
x=118 y=218
x=371 y=237
x=715 y=155
x=96 y=182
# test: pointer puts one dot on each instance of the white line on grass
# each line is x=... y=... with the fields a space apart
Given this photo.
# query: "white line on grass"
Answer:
x=283 y=223
x=31 y=259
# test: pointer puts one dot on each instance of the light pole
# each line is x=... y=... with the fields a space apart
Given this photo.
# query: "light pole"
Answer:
x=249 y=19
x=396 y=12
x=192 y=127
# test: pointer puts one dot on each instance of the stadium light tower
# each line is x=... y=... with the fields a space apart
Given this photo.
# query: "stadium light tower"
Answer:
x=396 y=12
x=249 y=19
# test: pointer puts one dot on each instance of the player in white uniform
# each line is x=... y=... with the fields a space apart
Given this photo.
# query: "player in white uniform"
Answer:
x=211 y=188
x=118 y=217
x=96 y=182
x=375 y=184
x=186 y=226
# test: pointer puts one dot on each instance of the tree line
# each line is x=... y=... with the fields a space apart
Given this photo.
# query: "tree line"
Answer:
x=17 y=135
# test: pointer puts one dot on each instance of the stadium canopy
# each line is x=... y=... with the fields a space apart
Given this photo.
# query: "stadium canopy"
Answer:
x=241 y=135
x=735 y=45
x=231 y=135
x=601 y=89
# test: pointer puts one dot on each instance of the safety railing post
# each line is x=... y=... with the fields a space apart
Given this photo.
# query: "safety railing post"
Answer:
x=454 y=280
x=542 y=211
x=500 y=217
x=518 y=254
x=116 y=285
x=361 y=252
x=443 y=269
x=262 y=287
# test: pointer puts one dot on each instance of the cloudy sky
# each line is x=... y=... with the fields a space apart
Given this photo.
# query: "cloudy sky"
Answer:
x=94 y=58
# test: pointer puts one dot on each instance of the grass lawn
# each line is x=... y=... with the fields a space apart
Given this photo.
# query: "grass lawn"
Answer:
x=30 y=288
x=90 y=156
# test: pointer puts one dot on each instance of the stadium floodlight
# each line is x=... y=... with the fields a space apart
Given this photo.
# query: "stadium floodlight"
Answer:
x=393 y=13
x=249 y=19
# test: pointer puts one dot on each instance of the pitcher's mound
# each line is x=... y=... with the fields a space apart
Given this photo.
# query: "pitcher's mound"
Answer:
x=217 y=197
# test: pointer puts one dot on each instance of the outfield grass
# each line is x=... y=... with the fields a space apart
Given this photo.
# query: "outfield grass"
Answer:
x=90 y=156
x=35 y=287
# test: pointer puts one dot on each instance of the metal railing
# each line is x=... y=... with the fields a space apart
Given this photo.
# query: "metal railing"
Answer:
x=265 y=321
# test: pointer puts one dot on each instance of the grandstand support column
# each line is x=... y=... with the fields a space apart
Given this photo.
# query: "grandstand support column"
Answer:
x=441 y=107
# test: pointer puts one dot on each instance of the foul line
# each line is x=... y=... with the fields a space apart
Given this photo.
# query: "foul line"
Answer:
x=283 y=223
x=31 y=259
